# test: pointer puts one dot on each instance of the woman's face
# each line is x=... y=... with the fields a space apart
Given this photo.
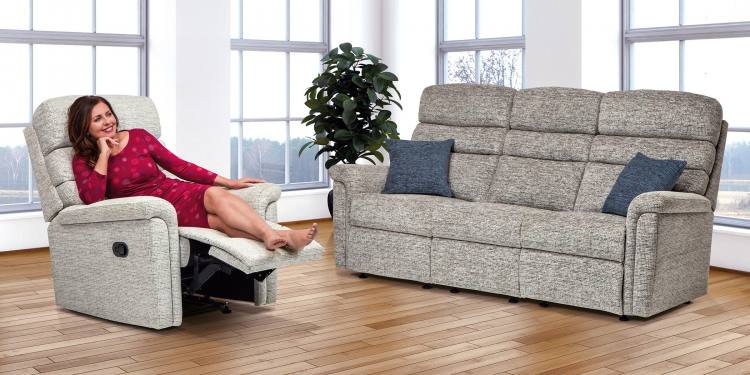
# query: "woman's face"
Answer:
x=103 y=122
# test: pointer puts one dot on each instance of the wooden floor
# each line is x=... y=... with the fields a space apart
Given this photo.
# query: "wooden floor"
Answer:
x=328 y=320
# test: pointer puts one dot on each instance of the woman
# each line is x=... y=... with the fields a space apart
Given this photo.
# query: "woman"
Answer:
x=114 y=164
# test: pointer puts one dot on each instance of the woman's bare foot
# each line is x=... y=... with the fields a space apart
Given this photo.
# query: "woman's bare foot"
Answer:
x=274 y=241
x=298 y=239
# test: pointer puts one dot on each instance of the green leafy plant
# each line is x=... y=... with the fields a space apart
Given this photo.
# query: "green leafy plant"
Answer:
x=347 y=106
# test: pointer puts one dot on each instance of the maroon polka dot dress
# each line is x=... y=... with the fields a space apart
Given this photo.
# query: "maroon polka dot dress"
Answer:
x=133 y=172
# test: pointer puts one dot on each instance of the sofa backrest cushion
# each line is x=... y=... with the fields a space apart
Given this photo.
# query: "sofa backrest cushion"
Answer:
x=545 y=151
x=54 y=151
x=477 y=118
x=659 y=124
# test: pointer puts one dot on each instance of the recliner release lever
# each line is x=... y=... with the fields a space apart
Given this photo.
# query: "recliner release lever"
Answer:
x=120 y=249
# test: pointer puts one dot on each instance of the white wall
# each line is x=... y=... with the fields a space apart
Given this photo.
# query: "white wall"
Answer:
x=553 y=43
x=409 y=50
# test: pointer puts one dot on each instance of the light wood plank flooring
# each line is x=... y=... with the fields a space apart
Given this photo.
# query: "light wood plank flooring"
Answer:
x=328 y=320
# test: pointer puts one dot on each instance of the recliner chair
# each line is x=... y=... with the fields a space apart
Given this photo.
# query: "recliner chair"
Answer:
x=126 y=259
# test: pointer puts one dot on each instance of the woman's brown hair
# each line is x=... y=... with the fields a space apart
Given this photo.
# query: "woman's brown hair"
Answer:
x=79 y=120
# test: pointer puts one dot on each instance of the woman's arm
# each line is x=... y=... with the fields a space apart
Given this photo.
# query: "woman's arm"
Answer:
x=92 y=185
x=180 y=168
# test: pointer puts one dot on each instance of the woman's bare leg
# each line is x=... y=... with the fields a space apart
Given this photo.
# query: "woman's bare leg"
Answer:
x=236 y=214
x=296 y=239
x=214 y=222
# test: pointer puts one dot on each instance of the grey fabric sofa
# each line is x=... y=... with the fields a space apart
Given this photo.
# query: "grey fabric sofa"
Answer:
x=163 y=264
x=530 y=171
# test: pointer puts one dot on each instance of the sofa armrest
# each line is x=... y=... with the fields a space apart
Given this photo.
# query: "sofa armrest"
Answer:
x=668 y=248
x=119 y=209
x=360 y=178
x=262 y=197
x=667 y=202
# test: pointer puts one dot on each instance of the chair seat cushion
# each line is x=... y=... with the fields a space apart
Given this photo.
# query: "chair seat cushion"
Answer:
x=480 y=222
x=403 y=213
x=590 y=234
x=247 y=255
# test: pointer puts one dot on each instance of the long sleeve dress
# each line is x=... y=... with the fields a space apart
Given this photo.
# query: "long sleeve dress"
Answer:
x=133 y=172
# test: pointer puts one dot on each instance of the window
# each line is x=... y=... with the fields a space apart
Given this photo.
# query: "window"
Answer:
x=481 y=41
x=700 y=46
x=275 y=54
x=53 y=48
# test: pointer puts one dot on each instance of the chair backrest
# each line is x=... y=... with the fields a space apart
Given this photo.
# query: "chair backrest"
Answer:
x=51 y=152
x=563 y=148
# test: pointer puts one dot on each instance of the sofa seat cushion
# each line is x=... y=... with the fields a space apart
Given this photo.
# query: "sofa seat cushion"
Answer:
x=590 y=234
x=481 y=222
x=403 y=213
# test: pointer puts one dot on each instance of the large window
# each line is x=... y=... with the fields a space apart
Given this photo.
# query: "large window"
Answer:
x=700 y=46
x=276 y=51
x=52 y=48
x=481 y=41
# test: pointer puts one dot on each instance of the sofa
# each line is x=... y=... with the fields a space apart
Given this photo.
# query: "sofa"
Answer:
x=125 y=259
x=530 y=170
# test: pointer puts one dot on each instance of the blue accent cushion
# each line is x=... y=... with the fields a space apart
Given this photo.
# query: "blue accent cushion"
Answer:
x=419 y=167
x=641 y=175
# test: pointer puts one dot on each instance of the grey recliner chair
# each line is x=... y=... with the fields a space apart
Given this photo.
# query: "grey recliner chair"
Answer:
x=126 y=259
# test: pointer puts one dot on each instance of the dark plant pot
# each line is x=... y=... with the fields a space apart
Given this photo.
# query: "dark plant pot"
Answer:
x=330 y=202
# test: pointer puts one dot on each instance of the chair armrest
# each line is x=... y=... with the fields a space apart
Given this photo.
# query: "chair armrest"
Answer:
x=120 y=209
x=360 y=178
x=261 y=197
x=668 y=202
x=668 y=247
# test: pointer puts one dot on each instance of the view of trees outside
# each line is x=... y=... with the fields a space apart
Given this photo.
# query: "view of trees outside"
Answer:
x=264 y=158
x=496 y=67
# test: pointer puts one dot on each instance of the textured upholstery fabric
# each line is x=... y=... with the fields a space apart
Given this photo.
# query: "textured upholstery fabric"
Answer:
x=463 y=104
x=619 y=150
x=598 y=180
x=555 y=109
x=138 y=289
x=539 y=232
x=51 y=202
x=550 y=146
x=408 y=213
x=469 y=140
x=712 y=191
x=418 y=167
x=641 y=175
x=400 y=255
x=663 y=114
x=496 y=224
x=470 y=175
x=143 y=288
x=250 y=256
x=589 y=234
x=474 y=265
x=666 y=262
x=571 y=280
x=551 y=185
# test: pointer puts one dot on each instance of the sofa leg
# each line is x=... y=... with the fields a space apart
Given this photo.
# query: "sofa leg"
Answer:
x=455 y=290
x=363 y=275
x=513 y=300
x=544 y=304
x=427 y=286
x=688 y=302
x=624 y=318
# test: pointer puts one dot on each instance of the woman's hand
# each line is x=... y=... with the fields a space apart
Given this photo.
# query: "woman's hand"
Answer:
x=237 y=184
x=106 y=144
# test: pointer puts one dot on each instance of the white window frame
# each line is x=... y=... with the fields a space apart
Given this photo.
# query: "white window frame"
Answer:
x=477 y=45
x=287 y=47
x=680 y=33
x=93 y=39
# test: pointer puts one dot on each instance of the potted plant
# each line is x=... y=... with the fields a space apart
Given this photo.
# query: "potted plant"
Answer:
x=347 y=104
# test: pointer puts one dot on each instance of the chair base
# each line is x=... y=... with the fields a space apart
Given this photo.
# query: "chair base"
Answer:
x=194 y=305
